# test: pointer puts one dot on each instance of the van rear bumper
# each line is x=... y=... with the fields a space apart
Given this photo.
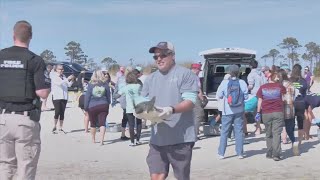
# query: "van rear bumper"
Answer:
x=212 y=104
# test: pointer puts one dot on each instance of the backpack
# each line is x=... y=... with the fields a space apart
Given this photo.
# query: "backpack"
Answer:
x=234 y=94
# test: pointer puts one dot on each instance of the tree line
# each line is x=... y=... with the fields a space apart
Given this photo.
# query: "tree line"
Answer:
x=292 y=47
x=75 y=54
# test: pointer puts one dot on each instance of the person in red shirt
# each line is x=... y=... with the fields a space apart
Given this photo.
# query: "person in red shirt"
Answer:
x=270 y=104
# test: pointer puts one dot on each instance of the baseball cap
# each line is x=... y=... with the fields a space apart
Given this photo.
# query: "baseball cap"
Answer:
x=306 y=68
x=196 y=66
x=104 y=69
x=265 y=68
x=163 y=46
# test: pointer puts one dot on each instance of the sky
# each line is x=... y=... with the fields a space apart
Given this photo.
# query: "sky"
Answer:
x=127 y=29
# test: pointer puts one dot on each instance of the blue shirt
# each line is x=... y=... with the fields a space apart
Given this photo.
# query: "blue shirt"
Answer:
x=222 y=94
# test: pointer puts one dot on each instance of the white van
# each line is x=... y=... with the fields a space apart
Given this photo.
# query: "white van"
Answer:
x=215 y=66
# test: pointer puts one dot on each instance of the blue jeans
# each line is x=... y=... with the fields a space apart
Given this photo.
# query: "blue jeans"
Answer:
x=227 y=121
x=289 y=124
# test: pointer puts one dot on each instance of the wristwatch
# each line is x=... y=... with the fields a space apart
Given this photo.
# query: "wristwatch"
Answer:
x=173 y=110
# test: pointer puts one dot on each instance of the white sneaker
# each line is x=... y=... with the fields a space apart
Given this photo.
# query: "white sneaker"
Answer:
x=220 y=157
x=138 y=143
x=240 y=157
x=295 y=149
x=132 y=144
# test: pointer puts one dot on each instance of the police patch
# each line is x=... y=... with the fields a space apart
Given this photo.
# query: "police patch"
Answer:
x=12 y=64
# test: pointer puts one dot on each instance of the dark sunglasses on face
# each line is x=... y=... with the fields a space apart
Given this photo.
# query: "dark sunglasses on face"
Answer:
x=162 y=55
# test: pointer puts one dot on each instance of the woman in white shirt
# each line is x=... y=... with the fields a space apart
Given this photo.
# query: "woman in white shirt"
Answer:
x=59 y=90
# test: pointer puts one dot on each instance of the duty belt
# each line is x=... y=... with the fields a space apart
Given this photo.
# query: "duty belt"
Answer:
x=4 y=111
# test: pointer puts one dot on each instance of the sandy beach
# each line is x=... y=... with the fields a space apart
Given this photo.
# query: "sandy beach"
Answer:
x=73 y=156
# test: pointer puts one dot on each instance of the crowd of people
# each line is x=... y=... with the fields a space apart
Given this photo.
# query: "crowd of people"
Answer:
x=275 y=97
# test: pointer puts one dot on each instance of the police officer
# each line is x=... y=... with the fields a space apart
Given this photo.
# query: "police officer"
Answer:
x=23 y=83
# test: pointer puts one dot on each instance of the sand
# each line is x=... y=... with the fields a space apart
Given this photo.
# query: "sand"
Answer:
x=73 y=156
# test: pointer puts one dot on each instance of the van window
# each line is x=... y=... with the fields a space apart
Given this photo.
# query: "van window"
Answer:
x=223 y=68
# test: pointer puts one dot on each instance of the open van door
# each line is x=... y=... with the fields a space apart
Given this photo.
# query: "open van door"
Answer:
x=215 y=67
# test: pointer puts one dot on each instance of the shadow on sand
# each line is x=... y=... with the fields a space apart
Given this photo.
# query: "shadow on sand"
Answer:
x=143 y=135
x=303 y=148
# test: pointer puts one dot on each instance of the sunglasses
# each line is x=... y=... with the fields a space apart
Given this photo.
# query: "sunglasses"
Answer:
x=61 y=69
x=155 y=57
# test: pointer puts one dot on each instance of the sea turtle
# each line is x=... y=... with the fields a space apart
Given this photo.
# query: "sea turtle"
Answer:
x=147 y=110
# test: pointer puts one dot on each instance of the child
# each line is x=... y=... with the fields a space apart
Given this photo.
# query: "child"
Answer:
x=289 y=111
x=132 y=90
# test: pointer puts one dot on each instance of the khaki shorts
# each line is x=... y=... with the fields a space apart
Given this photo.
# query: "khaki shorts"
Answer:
x=178 y=155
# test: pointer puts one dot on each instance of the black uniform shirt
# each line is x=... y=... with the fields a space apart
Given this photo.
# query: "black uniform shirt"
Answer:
x=36 y=65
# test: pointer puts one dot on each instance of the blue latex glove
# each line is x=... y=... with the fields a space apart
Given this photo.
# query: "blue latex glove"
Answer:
x=257 y=117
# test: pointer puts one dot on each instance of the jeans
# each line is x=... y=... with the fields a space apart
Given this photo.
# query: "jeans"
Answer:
x=274 y=123
x=289 y=124
x=227 y=121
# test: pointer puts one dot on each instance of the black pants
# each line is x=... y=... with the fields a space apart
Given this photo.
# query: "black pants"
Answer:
x=131 y=121
x=299 y=108
x=124 y=119
x=59 y=108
